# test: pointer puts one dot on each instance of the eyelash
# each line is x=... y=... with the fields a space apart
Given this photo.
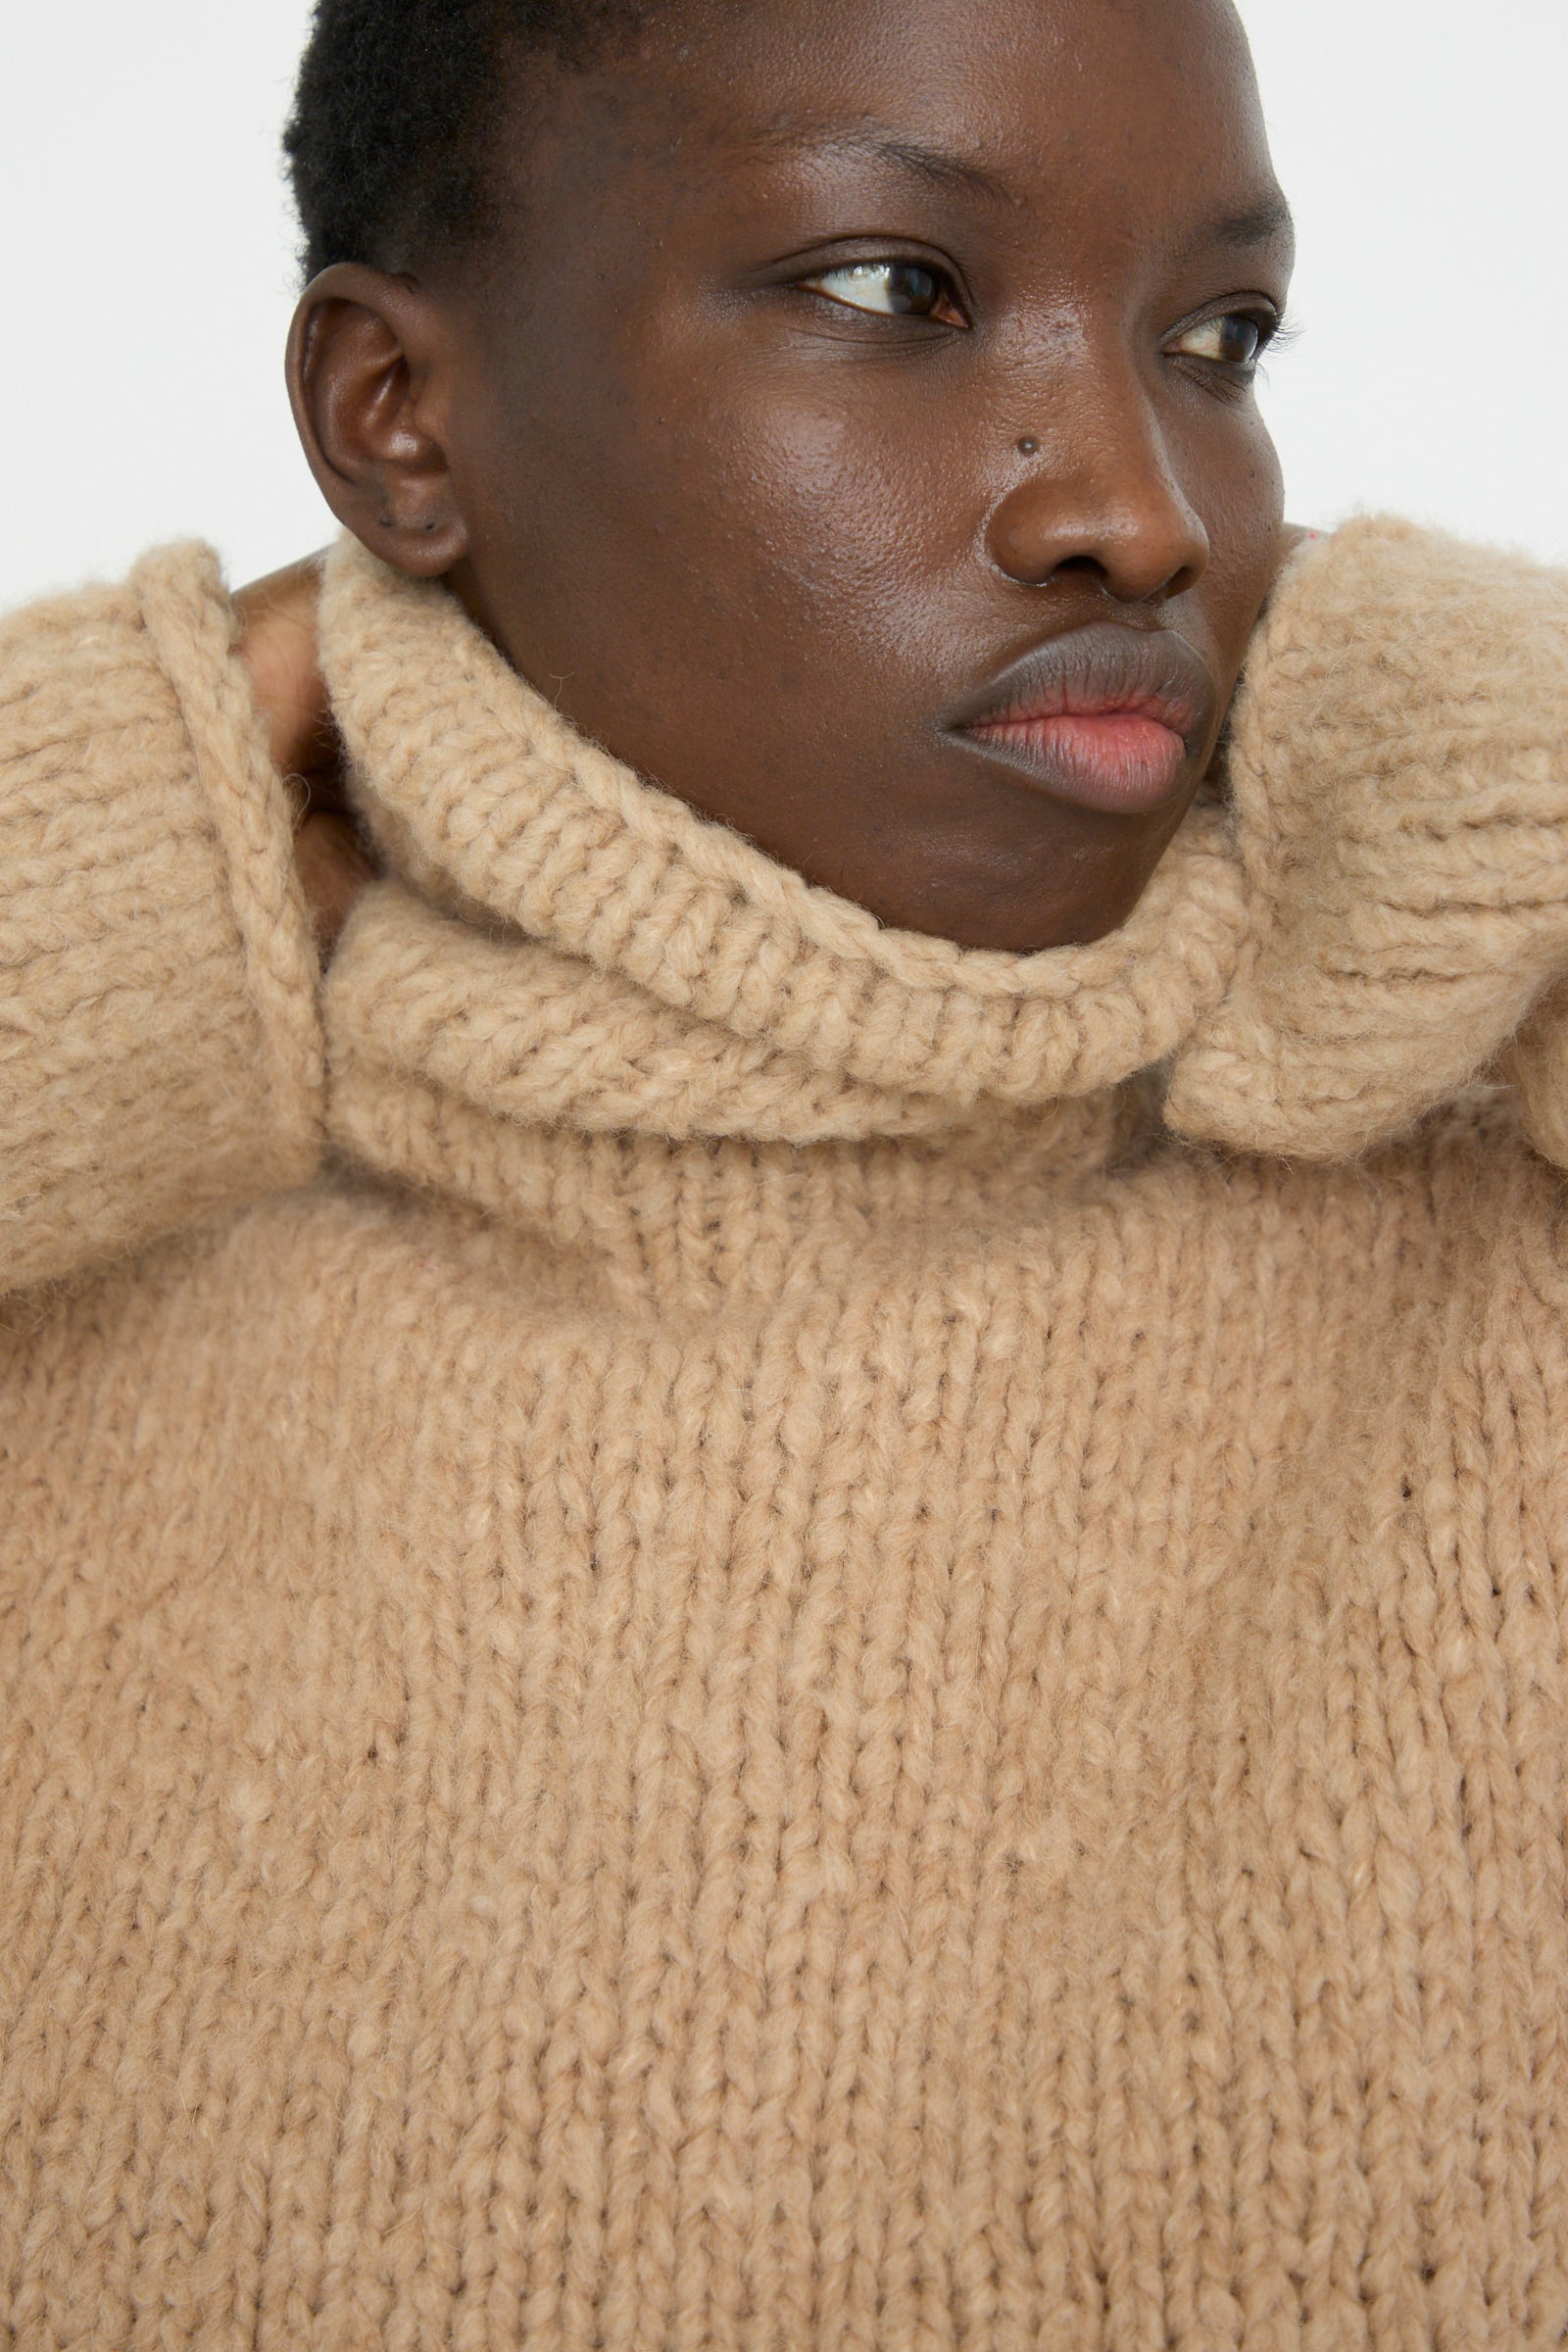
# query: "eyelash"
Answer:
x=1274 y=330
x=1271 y=326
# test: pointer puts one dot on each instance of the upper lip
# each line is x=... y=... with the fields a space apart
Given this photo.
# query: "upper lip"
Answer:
x=1090 y=672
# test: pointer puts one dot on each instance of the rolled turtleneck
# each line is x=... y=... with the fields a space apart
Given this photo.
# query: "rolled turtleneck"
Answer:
x=566 y=942
x=1356 y=934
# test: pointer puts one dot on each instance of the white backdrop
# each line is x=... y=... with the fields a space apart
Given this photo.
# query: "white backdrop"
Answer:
x=150 y=273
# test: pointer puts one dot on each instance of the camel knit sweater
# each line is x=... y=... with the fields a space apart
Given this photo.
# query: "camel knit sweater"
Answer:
x=720 y=1629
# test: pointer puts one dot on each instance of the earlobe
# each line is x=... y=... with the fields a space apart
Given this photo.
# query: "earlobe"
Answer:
x=365 y=354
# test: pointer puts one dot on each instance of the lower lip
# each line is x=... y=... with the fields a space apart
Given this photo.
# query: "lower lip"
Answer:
x=1116 y=761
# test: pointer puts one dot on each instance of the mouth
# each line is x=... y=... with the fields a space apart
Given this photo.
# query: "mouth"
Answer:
x=1107 y=717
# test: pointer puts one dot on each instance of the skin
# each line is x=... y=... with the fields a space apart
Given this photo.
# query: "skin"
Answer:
x=277 y=644
x=760 y=540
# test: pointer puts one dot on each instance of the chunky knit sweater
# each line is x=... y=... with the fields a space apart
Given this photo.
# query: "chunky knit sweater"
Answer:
x=720 y=1629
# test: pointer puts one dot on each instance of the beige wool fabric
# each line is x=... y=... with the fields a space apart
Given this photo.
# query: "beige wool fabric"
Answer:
x=720 y=1628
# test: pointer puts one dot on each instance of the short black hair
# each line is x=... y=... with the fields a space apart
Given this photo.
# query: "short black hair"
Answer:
x=390 y=139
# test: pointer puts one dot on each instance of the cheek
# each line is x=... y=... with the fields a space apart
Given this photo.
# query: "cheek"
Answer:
x=1242 y=507
x=823 y=509
x=736 y=577
x=777 y=510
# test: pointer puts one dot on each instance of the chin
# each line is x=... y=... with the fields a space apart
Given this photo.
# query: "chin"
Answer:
x=1015 y=873
x=1012 y=917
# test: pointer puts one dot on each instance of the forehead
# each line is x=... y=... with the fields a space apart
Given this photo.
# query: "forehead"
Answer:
x=988 y=67
x=1132 y=108
x=945 y=51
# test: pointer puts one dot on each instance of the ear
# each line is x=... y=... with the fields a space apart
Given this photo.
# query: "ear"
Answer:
x=367 y=379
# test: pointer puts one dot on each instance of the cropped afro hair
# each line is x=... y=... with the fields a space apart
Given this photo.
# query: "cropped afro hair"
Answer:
x=394 y=110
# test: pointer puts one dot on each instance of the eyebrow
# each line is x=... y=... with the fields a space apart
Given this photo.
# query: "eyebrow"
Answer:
x=936 y=166
x=1255 y=224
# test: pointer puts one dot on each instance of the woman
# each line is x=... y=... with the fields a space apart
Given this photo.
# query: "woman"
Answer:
x=798 y=1579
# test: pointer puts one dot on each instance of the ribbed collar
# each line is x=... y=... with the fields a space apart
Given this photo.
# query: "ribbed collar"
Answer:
x=560 y=941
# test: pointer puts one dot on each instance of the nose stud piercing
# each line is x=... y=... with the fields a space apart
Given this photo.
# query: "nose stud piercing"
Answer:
x=1028 y=446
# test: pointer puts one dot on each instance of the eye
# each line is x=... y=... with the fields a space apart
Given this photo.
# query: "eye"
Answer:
x=1236 y=340
x=893 y=289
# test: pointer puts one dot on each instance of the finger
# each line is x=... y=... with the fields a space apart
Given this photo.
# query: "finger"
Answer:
x=277 y=643
x=334 y=866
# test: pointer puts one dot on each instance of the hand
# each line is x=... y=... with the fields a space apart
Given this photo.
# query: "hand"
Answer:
x=277 y=645
x=1400 y=802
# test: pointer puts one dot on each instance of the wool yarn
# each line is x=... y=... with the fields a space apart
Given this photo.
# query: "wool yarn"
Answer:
x=722 y=1629
x=1407 y=854
x=158 y=1048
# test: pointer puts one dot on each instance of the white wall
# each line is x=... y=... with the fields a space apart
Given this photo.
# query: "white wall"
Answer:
x=150 y=277
x=1422 y=143
x=149 y=273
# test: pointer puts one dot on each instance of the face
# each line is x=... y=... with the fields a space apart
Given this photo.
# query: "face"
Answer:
x=851 y=426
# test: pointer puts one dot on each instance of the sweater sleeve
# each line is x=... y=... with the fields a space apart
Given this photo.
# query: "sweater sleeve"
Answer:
x=160 y=1040
x=1399 y=776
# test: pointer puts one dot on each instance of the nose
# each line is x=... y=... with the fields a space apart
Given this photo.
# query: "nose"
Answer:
x=1099 y=494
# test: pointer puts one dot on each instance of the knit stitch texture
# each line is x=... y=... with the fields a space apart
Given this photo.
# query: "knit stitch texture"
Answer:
x=727 y=1632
